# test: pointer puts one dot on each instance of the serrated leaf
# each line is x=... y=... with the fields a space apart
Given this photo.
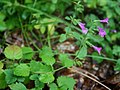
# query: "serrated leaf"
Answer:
x=17 y=86
x=47 y=56
x=13 y=52
x=66 y=82
x=46 y=78
x=22 y=70
x=65 y=60
x=27 y=52
x=53 y=86
x=38 y=67
x=82 y=53
x=9 y=76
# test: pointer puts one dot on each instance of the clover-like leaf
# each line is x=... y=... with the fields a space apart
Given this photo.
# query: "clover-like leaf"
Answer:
x=13 y=52
x=22 y=70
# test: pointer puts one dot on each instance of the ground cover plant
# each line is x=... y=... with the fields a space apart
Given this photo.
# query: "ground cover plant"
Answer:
x=59 y=44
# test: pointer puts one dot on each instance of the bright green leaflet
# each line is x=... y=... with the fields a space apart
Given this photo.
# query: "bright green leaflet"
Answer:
x=82 y=53
x=66 y=82
x=47 y=77
x=27 y=52
x=17 y=86
x=47 y=56
x=13 y=52
x=22 y=70
x=65 y=60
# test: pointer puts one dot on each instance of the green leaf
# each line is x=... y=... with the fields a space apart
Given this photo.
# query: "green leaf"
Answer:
x=1 y=65
x=82 y=53
x=9 y=76
x=65 y=60
x=116 y=50
x=66 y=82
x=47 y=77
x=117 y=66
x=67 y=18
x=47 y=56
x=95 y=58
x=39 y=85
x=2 y=81
x=2 y=26
x=77 y=35
x=2 y=16
x=13 y=52
x=17 y=86
x=22 y=70
x=27 y=52
x=117 y=9
x=62 y=38
x=53 y=86
x=34 y=77
x=38 y=67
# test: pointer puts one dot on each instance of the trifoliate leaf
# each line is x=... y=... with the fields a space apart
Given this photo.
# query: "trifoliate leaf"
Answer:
x=27 y=52
x=46 y=78
x=17 y=86
x=22 y=70
x=65 y=60
x=9 y=76
x=66 y=82
x=13 y=52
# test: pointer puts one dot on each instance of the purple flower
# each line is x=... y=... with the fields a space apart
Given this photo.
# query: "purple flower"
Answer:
x=82 y=26
x=98 y=49
x=102 y=33
x=104 y=20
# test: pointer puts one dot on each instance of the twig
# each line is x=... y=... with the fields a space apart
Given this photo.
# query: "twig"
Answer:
x=74 y=69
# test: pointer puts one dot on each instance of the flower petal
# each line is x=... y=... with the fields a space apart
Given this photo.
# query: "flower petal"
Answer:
x=98 y=49
x=82 y=26
x=104 y=20
x=102 y=32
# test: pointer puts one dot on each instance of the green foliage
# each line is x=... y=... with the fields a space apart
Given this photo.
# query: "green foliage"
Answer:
x=27 y=52
x=9 y=76
x=82 y=53
x=22 y=70
x=53 y=86
x=17 y=86
x=47 y=77
x=13 y=52
x=3 y=83
x=65 y=83
x=65 y=60
x=47 y=56
x=38 y=67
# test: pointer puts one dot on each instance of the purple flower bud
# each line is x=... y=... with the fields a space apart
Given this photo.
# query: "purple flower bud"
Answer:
x=114 y=31
x=102 y=32
x=98 y=49
x=82 y=26
x=104 y=20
